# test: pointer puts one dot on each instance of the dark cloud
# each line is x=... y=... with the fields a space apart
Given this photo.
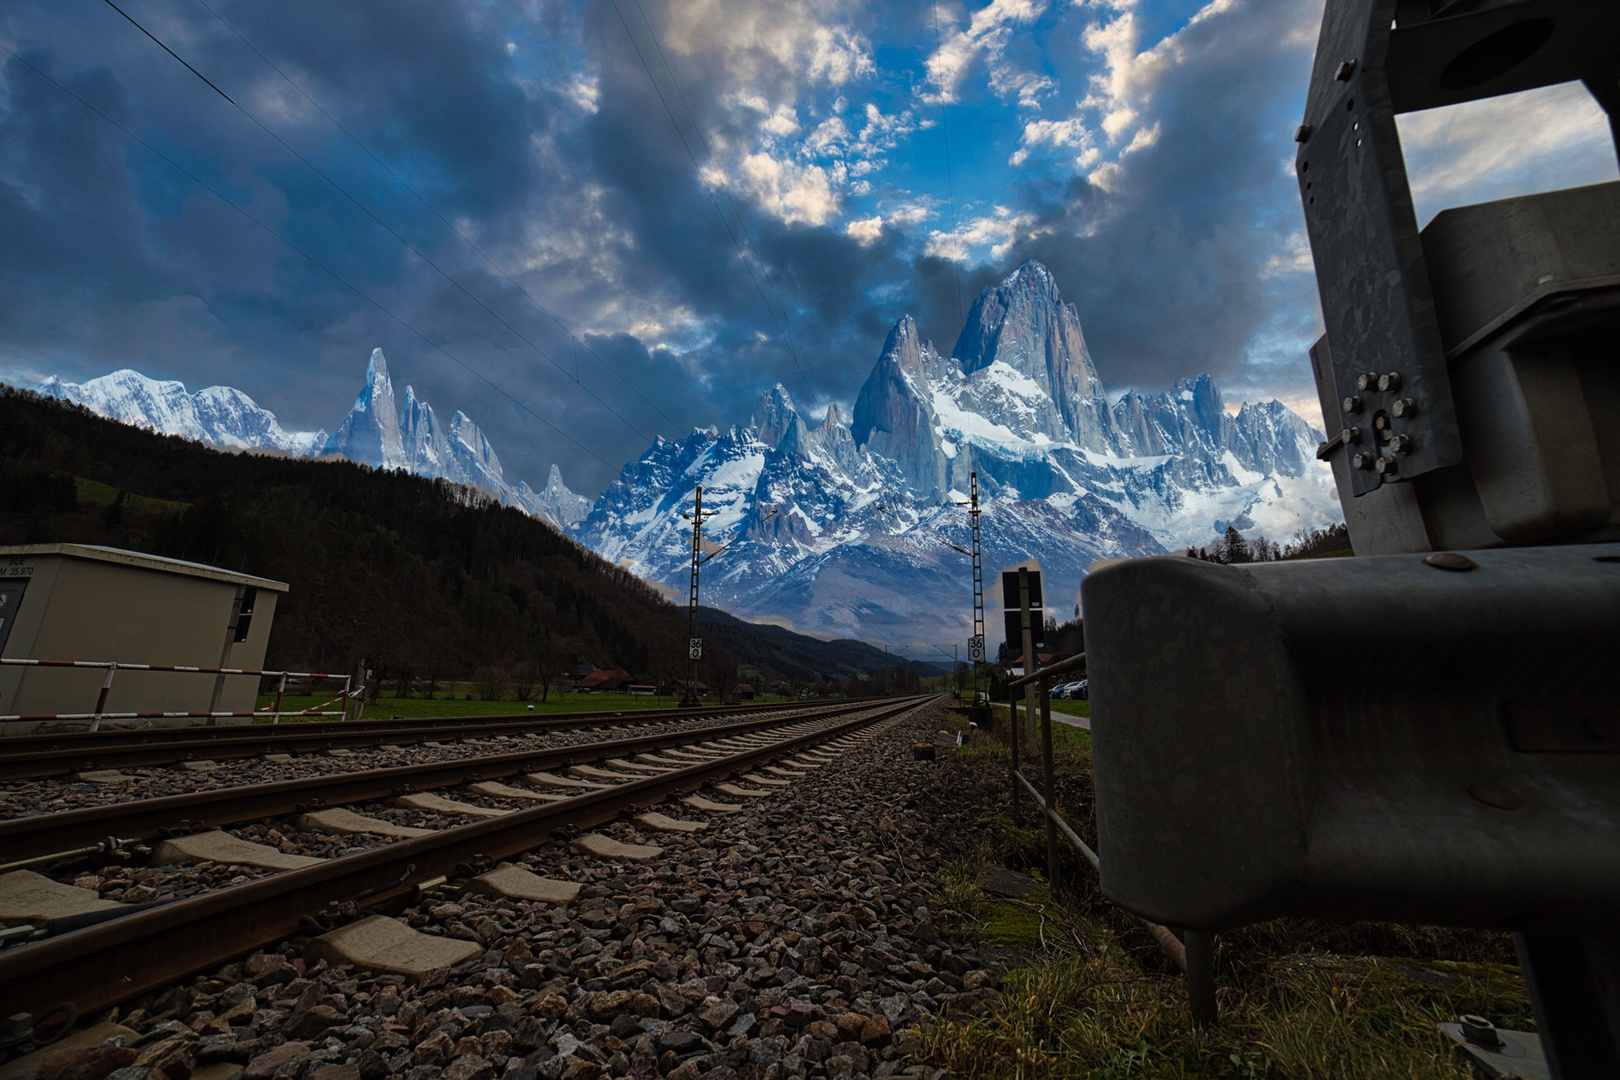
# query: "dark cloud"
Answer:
x=113 y=258
x=1168 y=270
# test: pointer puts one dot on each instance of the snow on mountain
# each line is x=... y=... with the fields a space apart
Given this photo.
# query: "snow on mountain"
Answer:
x=865 y=514
x=846 y=527
x=411 y=437
x=376 y=431
x=220 y=416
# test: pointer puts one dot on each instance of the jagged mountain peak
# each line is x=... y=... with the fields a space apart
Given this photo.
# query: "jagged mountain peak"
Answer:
x=1062 y=475
x=775 y=419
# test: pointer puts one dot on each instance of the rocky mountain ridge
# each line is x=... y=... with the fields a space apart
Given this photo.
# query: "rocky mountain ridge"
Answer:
x=847 y=527
x=850 y=528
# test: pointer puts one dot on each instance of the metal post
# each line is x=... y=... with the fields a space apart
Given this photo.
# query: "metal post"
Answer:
x=1012 y=732
x=281 y=688
x=101 y=699
x=356 y=702
x=978 y=591
x=1200 y=965
x=225 y=657
x=690 y=699
x=1048 y=778
x=1031 y=661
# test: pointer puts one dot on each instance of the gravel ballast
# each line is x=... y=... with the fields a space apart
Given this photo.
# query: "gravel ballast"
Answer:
x=791 y=938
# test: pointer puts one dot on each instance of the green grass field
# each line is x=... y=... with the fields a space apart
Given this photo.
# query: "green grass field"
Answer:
x=99 y=494
x=416 y=708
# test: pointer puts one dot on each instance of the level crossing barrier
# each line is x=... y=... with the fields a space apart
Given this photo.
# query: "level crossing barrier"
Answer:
x=113 y=667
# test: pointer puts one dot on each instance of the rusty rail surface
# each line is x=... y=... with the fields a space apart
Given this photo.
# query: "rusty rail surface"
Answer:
x=30 y=757
x=117 y=960
x=43 y=834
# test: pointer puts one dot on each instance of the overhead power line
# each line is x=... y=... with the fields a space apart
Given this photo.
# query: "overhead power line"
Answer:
x=698 y=169
x=395 y=234
x=294 y=247
x=573 y=338
x=170 y=51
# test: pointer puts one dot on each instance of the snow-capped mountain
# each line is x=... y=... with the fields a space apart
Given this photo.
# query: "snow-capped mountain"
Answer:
x=849 y=526
x=848 y=529
x=376 y=431
x=220 y=415
x=412 y=437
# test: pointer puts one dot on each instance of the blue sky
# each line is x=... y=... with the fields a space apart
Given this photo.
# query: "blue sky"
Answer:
x=628 y=219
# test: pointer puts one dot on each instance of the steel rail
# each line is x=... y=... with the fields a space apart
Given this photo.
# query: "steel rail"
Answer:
x=41 y=834
x=111 y=962
x=30 y=757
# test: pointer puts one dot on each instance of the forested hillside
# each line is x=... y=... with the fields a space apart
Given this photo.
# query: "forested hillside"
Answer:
x=420 y=577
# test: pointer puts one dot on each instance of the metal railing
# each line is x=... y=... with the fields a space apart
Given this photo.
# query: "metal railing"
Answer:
x=1193 y=951
x=113 y=667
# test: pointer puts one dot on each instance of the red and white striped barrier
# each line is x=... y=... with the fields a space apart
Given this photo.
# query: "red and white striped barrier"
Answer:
x=112 y=667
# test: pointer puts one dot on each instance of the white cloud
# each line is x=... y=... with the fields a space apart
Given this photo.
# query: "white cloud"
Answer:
x=789 y=190
x=755 y=40
x=998 y=231
x=911 y=213
x=1107 y=176
x=987 y=32
x=1517 y=144
x=1026 y=87
x=1294 y=258
x=831 y=136
x=865 y=231
x=1073 y=132
x=585 y=92
x=782 y=123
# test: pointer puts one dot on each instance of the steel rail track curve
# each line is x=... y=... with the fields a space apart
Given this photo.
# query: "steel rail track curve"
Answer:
x=44 y=834
x=105 y=964
x=33 y=757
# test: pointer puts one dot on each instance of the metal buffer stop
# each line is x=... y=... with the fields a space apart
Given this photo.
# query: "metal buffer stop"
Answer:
x=1415 y=734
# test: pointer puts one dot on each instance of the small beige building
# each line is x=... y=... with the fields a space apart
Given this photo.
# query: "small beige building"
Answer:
x=81 y=602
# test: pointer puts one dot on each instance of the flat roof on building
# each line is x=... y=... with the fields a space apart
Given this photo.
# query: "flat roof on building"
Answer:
x=139 y=559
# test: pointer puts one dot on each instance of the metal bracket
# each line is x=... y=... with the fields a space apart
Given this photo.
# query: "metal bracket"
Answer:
x=1497 y=1053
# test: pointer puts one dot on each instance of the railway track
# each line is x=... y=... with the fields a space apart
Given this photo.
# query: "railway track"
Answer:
x=138 y=950
x=37 y=756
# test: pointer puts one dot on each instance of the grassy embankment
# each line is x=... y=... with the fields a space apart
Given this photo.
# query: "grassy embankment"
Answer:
x=1088 y=992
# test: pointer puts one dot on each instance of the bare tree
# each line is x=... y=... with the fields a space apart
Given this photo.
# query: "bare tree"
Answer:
x=491 y=683
x=525 y=680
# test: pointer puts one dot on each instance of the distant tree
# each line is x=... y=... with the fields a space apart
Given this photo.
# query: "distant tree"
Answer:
x=491 y=682
x=1234 y=549
x=525 y=680
x=1330 y=540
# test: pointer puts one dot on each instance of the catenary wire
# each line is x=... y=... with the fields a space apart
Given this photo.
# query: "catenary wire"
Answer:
x=574 y=338
x=396 y=235
x=294 y=247
x=170 y=51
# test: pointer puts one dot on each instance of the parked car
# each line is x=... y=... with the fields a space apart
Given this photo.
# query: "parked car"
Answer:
x=1066 y=690
x=1082 y=690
